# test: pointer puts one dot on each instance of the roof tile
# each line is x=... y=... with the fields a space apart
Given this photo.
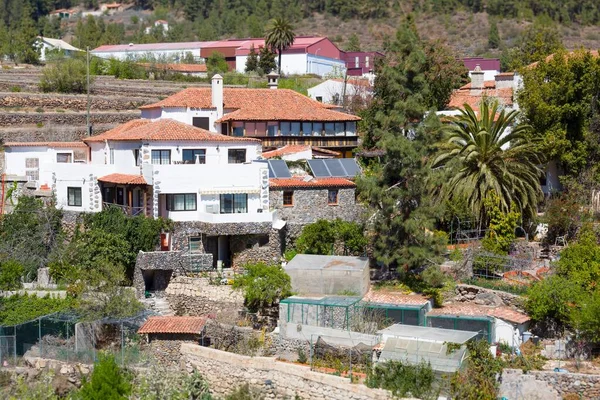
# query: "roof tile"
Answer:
x=300 y=183
x=474 y=310
x=395 y=298
x=256 y=105
x=172 y=324
x=124 y=179
x=163 y=129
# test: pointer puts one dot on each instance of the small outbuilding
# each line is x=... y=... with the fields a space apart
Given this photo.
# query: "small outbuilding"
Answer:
x=329 y=275
x=396 y=307
x=165 y=335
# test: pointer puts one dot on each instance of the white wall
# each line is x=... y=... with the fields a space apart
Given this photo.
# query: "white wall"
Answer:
x=156 y=54
x=301 y=64
x=330 y=88
x=505 y=332
x=185 y=115
x=15 y=156
x=488 y=74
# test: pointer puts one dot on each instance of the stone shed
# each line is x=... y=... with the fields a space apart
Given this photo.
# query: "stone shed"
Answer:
x=329 y=275
x=165 y=335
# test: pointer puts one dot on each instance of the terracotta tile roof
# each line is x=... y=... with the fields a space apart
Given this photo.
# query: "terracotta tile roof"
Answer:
x=300 y=183
x=288 y=149
x=396 y=298
x=163 y=129
x=177 y=67
x=506 y=74
x=257 y=105
x=463 y=95
x=124 y=179
x=326 y=151
x=45 y=144
x=473 y=310
x=171 y=324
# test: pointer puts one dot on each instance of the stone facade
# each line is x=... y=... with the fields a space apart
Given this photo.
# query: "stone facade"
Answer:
x=311 y=205
x=226 y=371
x=546 y=385
x=487 y=297
x=166 y=266
x=197 y=297
x=166 y=348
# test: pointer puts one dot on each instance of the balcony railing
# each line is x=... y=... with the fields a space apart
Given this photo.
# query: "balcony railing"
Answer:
x=127 y=210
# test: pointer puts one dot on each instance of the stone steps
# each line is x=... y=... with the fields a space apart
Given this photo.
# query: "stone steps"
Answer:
x=160 y=305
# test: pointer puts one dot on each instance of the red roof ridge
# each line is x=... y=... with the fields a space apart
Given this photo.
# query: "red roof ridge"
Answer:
x=300 y=182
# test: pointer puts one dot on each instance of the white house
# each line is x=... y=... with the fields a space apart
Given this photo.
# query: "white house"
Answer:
x=338 y=91
x=155 y=51
x=163 y=168
x=46 y=44
x=159 y=22
x=278 y=117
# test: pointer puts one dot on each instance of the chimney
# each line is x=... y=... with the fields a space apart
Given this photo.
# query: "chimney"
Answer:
x=273 y=80
x=476 y=81
x=217 y=94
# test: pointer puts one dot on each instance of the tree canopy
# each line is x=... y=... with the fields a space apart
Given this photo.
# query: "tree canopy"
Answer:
x=279 y=36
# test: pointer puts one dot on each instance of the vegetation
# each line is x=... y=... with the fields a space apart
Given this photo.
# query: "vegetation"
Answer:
x=403 y=379
x=11 y=272
x=107 y=381
x=263 y=285
x=65 y=76
x=279 y=37
x=18 y=309
x=485 y=166
x=501 y=227
x=332 y=237
x=478 y=380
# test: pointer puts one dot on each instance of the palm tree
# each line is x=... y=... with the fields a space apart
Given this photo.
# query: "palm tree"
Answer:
x=279 y=36
x=486 y=154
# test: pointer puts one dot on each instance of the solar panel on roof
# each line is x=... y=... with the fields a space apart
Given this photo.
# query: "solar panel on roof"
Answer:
x=279 y=168
x=318 y=168
x=350 y=165
x=335 y=168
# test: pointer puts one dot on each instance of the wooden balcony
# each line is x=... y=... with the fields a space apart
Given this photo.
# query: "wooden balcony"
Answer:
x=318 y=141
x=127 y=210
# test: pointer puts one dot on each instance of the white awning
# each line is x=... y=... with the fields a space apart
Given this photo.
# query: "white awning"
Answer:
x=228 y=190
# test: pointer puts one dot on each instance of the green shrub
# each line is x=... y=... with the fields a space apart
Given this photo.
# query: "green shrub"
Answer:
x=22 y=308
x=434 y=277
x=263 y=285
x=65 y=76
x=402 y=379
x=107 y=381
x=302 y=356
x=15 y=89
x=322 y=237
x=11 y=272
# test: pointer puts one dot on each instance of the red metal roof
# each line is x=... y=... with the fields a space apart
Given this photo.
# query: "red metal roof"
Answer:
x=300 y=183
x=486 y=64
x=172 y=324
x=256 y=105
x=151 y=47
x=163 y=129
x=45 y=144
x=474 y=310
x=124 y=179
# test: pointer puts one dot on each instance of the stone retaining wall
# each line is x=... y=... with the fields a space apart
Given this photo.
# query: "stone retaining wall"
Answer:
x=226 y=371
x=546 y=385
x=56 y=118
x=197 y=297
x=487 y=297
x=167 y=350
x=73 y=102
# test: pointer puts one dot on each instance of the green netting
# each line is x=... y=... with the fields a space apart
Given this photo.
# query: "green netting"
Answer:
x=483 y=326
x=399 y=314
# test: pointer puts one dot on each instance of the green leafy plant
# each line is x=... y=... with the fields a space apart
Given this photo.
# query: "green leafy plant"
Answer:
x=403 y=379
x=263 y=285
x=302 y=358
x=11 y=272
x=501 y=228
x=323 y=236
x=477 y=381
x=107 y=382
x=65 y=76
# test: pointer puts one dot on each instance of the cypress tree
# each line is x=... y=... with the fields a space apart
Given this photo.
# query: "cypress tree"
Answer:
x=252 y=60
x=494 y=36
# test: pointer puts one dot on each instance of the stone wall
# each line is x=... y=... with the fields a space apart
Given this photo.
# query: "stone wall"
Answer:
x=183 y=230
x=166 y=348
x=226 y=371
x=256 y=248
x=311 y=205
x=174 y=261
x=487 y=297
x=196 y=297
x=546 y=385
x=72 y=102
x=16 y=119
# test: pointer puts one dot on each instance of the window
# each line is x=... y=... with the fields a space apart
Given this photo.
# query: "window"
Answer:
x=320 y=99
x=234 y=203
x=32 y=163
x=238 y=129
x=194 y=156
x=351 y=128
x=237 y=156
x=286 y=127
x=329 y=128
x=332 y=197
x=288 y=198
x=32 y=175
x=295 y=128
x=201 y=122
x=356 y=62
x=161 y=157
x=74 y=196
x=272 y=128
x=181 y=202
x=194 y=244
x=250 y=128
x=367 y=61
x=112 y=156
x=63 y=157
x=340 y=129
x=136 y=157
x=32 y=170
x=317 y=128
x=261 y=128
x=306 y=128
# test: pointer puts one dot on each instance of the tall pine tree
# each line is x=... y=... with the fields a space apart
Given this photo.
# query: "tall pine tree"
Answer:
x=252 y=60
